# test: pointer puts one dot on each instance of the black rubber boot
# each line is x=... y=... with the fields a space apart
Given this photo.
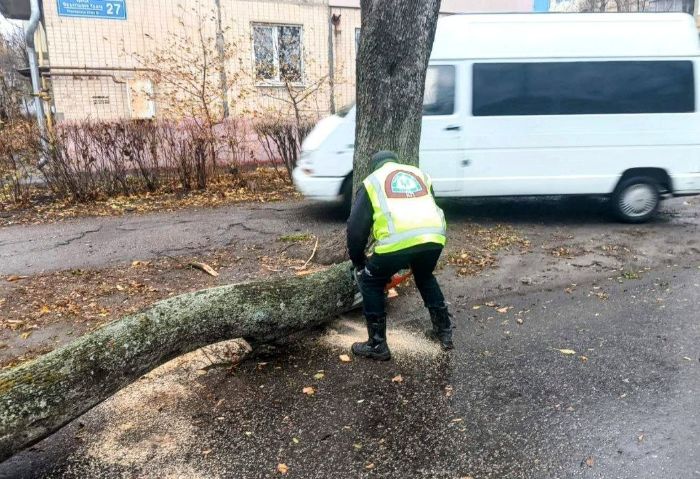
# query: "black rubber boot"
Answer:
x=442 y=327
x=375 y=347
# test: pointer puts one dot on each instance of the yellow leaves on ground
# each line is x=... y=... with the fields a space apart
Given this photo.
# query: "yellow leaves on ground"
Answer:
x=344 y=358
x=484 y=244
x=309 y=390
x=397 y=379
x=567 y=352
x=282 y=468
x=270 y=185
x=319 y=375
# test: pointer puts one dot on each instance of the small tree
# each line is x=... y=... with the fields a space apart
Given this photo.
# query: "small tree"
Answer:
x=292 y=85
x=14 y=89
x=194 y=79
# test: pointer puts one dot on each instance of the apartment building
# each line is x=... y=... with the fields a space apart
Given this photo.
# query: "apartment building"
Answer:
x=114 y=59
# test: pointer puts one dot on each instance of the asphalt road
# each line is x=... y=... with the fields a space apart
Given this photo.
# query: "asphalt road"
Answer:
x=97 y=242
x=505 y=404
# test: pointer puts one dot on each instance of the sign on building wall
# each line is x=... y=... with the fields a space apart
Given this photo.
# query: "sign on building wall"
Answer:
x=109 y=9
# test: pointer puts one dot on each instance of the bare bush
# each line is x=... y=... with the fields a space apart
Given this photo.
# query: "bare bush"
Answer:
x=19 y=149
x=281 y=139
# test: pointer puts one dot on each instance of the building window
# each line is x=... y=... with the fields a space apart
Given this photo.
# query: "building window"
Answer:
x=583 y=88
x=357 y=39
x=439 y=96
x=278 y=53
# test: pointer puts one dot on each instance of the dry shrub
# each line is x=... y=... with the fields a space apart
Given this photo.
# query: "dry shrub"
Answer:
x=92 y=160
x=281 y=139
x=19 y=151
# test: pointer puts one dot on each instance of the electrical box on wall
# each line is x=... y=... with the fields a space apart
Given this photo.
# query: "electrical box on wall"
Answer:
x=142 y=103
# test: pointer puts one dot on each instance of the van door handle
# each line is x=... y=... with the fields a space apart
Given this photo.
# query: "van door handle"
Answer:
x=466 y=162
x=453 y=128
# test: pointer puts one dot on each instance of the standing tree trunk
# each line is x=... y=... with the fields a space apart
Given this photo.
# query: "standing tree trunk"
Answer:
x=395 y=45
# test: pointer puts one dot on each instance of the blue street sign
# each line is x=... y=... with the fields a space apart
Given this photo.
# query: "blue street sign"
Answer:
x=109 y=9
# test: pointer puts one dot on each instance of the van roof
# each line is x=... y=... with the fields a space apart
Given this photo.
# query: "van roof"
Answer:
x=565 y=35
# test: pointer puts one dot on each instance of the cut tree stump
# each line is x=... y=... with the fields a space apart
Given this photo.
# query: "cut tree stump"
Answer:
x=39 y=397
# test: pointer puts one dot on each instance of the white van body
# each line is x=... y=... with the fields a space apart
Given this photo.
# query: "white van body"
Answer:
x=545 y=104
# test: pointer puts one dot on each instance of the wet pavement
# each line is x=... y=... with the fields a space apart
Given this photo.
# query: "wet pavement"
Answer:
x=596 y=380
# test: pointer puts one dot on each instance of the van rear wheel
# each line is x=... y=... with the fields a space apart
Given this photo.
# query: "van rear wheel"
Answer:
x=636 y=199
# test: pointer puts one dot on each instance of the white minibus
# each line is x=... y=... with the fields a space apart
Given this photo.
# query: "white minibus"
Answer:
x=546 y=104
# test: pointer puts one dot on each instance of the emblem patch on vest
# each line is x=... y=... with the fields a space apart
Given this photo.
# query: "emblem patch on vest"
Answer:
x=404 y=184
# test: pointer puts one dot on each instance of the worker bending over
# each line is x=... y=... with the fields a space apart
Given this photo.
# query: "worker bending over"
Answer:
x=395 y=203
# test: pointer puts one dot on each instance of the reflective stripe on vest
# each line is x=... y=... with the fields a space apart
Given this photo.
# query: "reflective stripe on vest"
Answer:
x=396 y=237
x=383 y=203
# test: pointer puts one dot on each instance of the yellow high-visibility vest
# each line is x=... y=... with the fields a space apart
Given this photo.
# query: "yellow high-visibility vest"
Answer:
x=405 y=213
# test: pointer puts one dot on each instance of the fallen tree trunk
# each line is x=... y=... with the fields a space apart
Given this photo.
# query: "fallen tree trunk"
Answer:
x=39 y=397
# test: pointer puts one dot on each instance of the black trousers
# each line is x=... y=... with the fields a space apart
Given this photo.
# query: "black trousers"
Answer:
x=381 y=267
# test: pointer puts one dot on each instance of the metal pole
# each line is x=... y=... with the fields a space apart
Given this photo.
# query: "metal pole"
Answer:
x=34 y=20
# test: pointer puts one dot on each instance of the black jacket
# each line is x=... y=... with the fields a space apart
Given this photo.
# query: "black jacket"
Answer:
x=360 y=227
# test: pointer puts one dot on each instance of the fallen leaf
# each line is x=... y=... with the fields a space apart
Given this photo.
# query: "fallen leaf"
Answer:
x=44 y=310
x=476 y=307
x=13 y=277
x=640 y=438
x=204 y=267
x=206 y=453
x=397 y=379
x=295 y=440
x=503 y=310
x=357 y=446
x=583 y=358
x=309 y=391
x=137 y=263
x=120 y=287
x=344 y=358
x=319 y=376
x=448 y=391
x=519 y=320
x=369 y=466
x=490 y=304
x=25 y=335
x=458 y=419
x=282 y=468
x=687 y=358
x=568 y=352
x=589 y=461
x=392 y=293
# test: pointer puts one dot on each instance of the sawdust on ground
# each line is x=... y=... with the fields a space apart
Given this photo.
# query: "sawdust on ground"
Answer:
x=404 y=344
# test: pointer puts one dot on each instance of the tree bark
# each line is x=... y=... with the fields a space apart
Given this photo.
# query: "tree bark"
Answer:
x=39 y=397
x=395 y=45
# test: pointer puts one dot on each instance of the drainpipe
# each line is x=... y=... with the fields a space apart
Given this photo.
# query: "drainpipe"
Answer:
x=221 y=49
x=36 y=79
x=331 y=61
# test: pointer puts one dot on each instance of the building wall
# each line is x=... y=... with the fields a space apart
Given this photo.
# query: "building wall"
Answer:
x=156 y=26
x=153 y=25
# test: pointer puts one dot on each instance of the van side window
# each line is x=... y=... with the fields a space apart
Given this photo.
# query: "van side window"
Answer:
x=583 y=88
x=439 y=96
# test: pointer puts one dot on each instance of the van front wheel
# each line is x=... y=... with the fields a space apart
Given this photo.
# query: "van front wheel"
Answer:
x=636 y=199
